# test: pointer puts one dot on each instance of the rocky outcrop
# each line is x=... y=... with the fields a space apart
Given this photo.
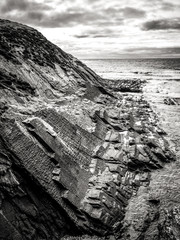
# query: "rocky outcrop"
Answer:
x=172 y=101
x=124 y=86
x=91 y=176
x=73 y=155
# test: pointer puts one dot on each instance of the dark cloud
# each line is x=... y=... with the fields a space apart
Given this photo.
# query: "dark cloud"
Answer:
x=22 y=5
x=127 y=12
x=41 y=15
x=133 y=13
x=67 y=19
x=92 y=36
x=54 y=19
x=109 y=22
x=101 y=36
x=82 y=36
x=10 y=5
x=98 y=32
x=169 y=6
x=62 y=19
x=35 y=16
x=162 y=24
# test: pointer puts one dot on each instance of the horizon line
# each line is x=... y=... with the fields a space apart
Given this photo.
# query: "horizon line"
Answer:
x=128 y=58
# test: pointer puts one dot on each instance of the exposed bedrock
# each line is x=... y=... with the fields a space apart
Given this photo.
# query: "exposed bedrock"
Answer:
x=74 y=155
x=91 y=176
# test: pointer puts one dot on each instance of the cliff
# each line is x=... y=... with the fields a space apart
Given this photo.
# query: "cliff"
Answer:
x=72 y=152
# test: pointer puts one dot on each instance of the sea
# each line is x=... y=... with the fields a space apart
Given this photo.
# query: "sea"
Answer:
x=144 y=69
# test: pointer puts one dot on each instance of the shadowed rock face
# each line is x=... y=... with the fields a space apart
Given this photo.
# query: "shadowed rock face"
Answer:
x=72 y=154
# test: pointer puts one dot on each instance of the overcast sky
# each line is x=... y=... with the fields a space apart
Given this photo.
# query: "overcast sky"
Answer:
x=103 y=28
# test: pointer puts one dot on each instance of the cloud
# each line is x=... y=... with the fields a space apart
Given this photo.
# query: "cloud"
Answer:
x=162 y=24
x=63 y=19
x=98 y=32
x=169 y=6
x=22 y=5
x=34 y=16
x=56 y=19
x=40 y=14
x=101 y=36
x=82 y=36
x=27 y=12
x=92 y=36
x=125 y=12
x=10 y=5
x=65 y=13
x=130 y=12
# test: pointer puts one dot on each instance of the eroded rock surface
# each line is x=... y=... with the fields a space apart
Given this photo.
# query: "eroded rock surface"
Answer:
x=73 y=154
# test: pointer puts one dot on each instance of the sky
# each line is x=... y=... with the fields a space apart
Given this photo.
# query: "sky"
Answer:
x=103 y=29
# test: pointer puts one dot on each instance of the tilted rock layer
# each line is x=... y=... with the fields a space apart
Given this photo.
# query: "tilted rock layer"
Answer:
x=73 y=153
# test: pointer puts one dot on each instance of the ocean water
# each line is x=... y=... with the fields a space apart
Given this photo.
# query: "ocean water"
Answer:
x=144 y=69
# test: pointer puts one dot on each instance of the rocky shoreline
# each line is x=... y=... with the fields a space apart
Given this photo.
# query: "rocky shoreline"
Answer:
x=80 y=157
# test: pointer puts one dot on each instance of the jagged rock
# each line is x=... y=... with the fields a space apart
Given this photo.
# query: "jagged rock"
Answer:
x=124 y=86
x=172 y=101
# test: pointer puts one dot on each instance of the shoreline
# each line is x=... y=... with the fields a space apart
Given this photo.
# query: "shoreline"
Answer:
x=164 y=184
x=155 y=93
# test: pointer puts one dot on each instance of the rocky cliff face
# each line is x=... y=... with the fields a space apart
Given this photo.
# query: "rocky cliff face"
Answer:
x=31 y=64
x=73 y=155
